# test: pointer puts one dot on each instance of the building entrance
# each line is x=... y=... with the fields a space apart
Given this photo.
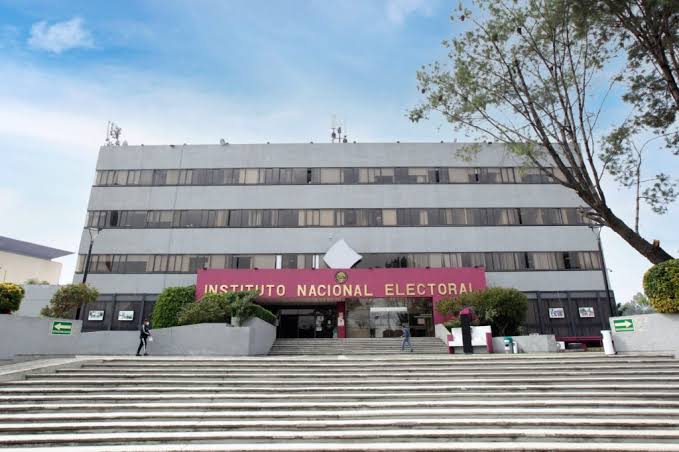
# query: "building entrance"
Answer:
x=383 y=317
x=305 y=322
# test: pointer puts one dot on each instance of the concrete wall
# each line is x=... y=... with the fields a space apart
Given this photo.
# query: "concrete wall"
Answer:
x=652 y=333
x=26 y=335
x=36 y=297
x=528 y=344
x=18 y=268
x=31 y=335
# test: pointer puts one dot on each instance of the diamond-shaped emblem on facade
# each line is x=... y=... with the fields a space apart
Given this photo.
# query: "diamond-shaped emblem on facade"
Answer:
x=341 y=255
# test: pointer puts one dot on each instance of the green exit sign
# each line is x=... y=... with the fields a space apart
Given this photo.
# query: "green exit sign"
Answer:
x=61 y=328
x=623 y=325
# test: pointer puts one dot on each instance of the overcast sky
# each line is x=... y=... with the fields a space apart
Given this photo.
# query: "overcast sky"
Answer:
x=196 y=71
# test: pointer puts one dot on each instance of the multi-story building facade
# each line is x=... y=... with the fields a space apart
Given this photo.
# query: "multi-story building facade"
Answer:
x=168 y=211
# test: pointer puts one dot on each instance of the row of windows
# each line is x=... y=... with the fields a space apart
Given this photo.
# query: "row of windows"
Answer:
x=493 y=261
x=303 y=176
x=267 y=218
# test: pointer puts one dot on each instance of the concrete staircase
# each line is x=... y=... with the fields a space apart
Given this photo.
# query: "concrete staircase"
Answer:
x=356 y=346
x=559 y=402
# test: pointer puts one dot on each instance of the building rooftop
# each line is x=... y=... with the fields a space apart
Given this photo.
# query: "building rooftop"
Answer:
x=30 y=249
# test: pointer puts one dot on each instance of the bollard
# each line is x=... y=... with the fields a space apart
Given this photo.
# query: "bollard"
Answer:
x=607 y=339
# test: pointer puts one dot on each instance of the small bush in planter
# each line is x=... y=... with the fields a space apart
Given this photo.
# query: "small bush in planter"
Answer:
x=68 y=298
x=10 y=297
x=169 y=304
x=212 y=308
x=661 y=284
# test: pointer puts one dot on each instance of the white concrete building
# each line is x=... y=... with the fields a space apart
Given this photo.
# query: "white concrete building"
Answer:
x=21 y=261
x=166 y=211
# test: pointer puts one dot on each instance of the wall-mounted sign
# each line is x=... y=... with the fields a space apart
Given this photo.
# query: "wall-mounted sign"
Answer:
x=125 y=316
x=61 y=328
x=586 y=312
x=95 y=316
x=557 y=313
x=623 y=325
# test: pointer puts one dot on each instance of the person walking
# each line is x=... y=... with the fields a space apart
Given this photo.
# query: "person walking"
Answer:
x=405 y=334
x=144 y=335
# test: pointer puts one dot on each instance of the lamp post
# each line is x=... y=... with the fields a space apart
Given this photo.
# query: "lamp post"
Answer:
x=597 y=229
x=93 y=232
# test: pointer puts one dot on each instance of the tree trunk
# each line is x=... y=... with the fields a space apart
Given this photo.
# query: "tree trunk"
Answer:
x=654 y=254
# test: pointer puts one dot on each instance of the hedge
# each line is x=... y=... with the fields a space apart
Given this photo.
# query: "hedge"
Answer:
x=10 y=297
x=661 y=284
x=170 y=303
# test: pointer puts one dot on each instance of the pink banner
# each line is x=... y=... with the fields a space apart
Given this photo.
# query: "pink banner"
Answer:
x=291 y=284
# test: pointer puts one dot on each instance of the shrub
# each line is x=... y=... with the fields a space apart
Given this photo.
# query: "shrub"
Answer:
x=170 y=303
x=503 y=309
x=264 y=314
x=10 y=297
x=217 y=308
x=212 y=308
x=661 y=284
x=36 y=282
x=68 y=298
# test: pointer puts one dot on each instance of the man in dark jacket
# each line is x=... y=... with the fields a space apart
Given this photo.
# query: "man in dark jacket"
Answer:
x=405 y=334
x=144 y=334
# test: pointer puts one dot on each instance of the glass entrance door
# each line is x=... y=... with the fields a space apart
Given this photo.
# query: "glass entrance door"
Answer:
x=306 y=322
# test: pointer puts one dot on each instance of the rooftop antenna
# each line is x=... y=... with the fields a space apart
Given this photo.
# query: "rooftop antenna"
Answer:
x=345 y=138
x=108 y=133
x=333 y=127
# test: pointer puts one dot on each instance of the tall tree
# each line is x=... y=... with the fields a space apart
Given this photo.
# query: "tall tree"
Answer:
x=529 y=75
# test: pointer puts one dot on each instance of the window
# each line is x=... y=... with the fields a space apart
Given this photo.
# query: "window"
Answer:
x=286 y=176
x=197 y=262
x=193 y=219
x=264 y=261
x=299 y=176
x=242 y=262
x=330 y=175
x=159 y=219
x=288 y=218
x=289 y=261
x=459 y=175
x=120 y=178
x=543 y=261
x=490 y=175
x=251 y=176
x=349 y=175
x=389 y=217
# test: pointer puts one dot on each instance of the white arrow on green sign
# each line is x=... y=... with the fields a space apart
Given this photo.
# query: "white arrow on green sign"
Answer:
x=623 y=325
x=61 y=327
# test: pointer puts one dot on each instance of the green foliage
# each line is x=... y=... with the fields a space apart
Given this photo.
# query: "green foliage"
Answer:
x=639 y=304
x=503 y=309
x=218 y=308
x=212 y=308
x=170 y=302
x=528 y=75
x=10 y=297
x=36 y=282
x=661 y=284
x=68 y=298
x=452 y=323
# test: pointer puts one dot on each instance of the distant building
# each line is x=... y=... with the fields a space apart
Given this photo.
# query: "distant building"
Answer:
x=22 y=261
